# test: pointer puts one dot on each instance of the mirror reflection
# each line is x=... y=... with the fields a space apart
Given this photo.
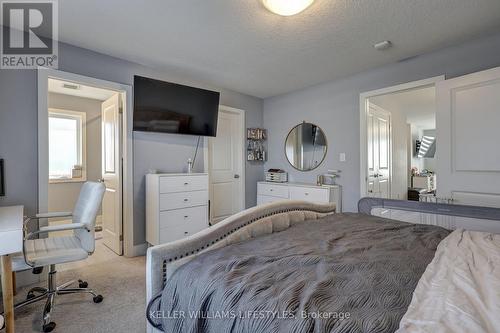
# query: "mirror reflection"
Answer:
x=305 y=146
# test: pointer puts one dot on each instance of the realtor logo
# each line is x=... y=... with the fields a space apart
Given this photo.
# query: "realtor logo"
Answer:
x=29 y=34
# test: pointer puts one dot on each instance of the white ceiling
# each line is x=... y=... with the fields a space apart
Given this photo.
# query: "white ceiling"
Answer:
x=239 y=45
x=417 y=105
x=57 y=86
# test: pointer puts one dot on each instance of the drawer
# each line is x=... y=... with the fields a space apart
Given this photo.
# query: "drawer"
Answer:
x=183 y=184
x=183 y=200
x=185 y=216
x=280 y=191
x=180 y=223
x=263 y=199
x=310 y=194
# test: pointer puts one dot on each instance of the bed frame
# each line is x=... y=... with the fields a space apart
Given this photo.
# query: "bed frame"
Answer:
x=163 y=260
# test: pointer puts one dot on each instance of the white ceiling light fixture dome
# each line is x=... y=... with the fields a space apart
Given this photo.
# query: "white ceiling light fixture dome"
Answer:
x=286 y=7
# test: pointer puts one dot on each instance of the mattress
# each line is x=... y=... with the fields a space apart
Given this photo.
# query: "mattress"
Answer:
x=341 y=273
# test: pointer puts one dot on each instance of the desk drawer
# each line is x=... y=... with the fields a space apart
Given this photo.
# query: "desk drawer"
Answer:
x=183 y=184
x=280 y=191
x=310 y=194
x=178 y=200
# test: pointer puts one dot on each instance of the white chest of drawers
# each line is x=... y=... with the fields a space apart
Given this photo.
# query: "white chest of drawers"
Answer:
x=176 y=206
x=269 y=192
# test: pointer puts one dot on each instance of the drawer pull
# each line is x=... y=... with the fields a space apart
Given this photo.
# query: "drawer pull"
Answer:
x=186 y=200
x=185 y=216
x=185 y=232
x=306 y=193
x=270 y=189
x=186 y=183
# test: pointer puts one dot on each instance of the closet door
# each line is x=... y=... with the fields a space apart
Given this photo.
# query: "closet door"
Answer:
x=378 y=178
x=468 y=139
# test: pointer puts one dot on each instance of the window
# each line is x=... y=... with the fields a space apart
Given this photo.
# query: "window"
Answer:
x=66 y=146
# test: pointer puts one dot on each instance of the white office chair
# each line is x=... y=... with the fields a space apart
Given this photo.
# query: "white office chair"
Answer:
x=57 y=250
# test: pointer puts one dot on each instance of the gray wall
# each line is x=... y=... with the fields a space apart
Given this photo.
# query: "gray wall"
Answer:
x=63 y=196
x=335 y=107
x=18 y=128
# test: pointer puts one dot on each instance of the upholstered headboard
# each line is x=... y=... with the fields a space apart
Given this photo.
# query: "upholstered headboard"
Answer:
x=162 y=260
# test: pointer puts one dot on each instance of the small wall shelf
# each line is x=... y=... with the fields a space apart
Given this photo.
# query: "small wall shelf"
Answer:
x=256 y=148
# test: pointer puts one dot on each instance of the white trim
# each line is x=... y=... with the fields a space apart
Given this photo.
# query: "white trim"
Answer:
x=126 y=93
x=206 y=158
x=363 y=106
x=82 y=142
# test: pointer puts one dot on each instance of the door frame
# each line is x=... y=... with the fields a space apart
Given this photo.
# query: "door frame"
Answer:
x=43 y=75
x=206 y=156
x=363 y=109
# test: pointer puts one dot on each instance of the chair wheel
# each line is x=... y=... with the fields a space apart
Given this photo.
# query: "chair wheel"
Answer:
x=49 y=327
x=98 y=299
x=83 y=284
x=2 y=322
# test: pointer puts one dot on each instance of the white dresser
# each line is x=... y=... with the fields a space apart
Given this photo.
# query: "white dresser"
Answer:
x=176 y=206
x=269 y=192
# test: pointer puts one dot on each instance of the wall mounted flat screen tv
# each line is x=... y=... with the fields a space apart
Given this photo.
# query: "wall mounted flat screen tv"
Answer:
x=173 y=108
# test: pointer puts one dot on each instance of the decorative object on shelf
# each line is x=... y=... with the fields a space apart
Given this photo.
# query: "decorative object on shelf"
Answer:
x=256 y=134
x=256 y=150
x=77 y=171
x=328 y=178
x=276 y=175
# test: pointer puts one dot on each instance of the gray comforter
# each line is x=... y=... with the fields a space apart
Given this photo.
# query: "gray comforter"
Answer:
x=342 y=273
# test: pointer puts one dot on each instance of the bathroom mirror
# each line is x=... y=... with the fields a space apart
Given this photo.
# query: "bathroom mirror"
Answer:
x=306 y=146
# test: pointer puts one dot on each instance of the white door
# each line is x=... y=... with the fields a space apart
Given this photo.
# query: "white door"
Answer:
x=111 y=174
x=226 y=166
x=379 y=146
x=468 y=137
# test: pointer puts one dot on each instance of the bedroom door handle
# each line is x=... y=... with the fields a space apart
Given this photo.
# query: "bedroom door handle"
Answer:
x=236 y=176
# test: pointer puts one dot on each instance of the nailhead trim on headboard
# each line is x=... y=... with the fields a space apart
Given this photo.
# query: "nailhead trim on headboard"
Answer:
x=165 y=261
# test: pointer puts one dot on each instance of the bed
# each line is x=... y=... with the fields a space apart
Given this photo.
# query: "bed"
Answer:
x=299 y=267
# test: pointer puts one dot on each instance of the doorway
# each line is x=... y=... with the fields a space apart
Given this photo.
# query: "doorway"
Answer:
x=398 y=140
x=85 y=135
x=226 y=165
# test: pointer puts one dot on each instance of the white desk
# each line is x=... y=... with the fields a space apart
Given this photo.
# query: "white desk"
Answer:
x=11 y=241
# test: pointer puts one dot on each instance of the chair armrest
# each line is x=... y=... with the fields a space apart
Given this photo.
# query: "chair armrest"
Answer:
x=62 y=227
x=53 y=214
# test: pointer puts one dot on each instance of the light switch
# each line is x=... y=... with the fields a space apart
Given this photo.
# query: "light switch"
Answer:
x=342 y=157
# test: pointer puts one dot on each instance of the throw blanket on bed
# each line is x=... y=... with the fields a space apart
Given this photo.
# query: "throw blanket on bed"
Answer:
x=342 y=273
x=460 y=289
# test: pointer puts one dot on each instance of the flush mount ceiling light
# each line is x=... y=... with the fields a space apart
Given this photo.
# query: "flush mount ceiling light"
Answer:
x=286 y=7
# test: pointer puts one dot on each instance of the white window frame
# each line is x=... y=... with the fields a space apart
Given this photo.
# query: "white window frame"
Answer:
x=81 y=117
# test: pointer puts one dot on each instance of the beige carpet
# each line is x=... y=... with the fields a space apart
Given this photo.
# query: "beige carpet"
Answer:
x=120 y=280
